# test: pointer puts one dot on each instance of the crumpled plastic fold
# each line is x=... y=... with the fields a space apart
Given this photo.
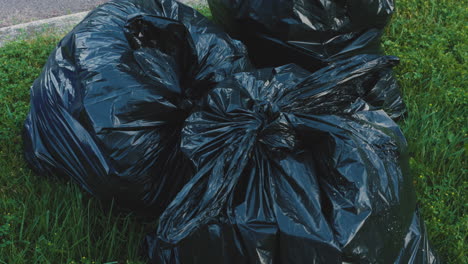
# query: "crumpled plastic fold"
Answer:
x=293 y=167
x=312 y=34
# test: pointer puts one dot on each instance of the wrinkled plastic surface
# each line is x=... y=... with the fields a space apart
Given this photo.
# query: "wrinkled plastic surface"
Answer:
x=417 y=248
x=294 y=167
x=311 y=33
x=307 y=32
x=108 y=108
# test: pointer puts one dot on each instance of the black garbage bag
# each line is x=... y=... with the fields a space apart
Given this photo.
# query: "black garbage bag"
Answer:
x=108 y=108
x=417 y=248
x=312 y=34
x=293 y=168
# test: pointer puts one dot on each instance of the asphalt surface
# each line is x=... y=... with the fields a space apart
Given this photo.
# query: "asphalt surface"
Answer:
x=14 y=12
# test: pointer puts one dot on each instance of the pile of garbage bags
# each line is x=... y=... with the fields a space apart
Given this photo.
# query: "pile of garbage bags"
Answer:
x=284 y=150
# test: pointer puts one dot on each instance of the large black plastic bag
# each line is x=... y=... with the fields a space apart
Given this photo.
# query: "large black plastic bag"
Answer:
x=293 y=168
x=312 y=34
x=108 y=108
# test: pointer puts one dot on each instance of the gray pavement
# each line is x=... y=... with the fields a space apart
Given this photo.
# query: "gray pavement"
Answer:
x=14 y=12
x=21 y=19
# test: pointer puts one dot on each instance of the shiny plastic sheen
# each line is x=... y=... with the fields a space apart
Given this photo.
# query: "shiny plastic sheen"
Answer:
x=294 y=167
x=312 y=34
x=308 y=32
x=108 y=108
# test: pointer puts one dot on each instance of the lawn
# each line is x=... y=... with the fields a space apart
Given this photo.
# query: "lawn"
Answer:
x=53 y=221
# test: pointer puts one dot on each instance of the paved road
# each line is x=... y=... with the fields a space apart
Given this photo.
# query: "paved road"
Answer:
x=14 y=12
x=21 y=11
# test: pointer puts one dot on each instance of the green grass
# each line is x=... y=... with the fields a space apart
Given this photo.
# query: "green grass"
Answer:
x=430 y=38
x=51 y=221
